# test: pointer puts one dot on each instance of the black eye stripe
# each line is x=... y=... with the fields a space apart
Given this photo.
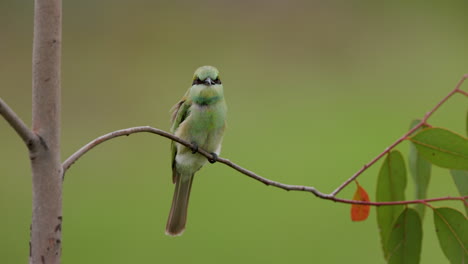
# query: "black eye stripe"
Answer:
x=198 y=81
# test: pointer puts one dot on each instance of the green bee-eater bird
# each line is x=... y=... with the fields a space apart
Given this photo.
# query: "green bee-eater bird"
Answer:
x=198 y=118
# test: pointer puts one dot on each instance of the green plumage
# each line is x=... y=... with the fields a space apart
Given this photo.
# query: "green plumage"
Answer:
x=200 y=119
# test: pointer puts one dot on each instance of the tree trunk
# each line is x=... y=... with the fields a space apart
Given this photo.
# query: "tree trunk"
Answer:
x=45 y=158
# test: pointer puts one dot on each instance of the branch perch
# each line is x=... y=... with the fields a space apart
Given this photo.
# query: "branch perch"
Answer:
x=128 y=131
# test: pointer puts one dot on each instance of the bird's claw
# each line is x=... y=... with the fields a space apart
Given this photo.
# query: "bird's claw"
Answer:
x=214 y=158
x=194 y=147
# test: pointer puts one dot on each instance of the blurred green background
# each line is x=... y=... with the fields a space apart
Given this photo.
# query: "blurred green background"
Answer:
x=315 y=89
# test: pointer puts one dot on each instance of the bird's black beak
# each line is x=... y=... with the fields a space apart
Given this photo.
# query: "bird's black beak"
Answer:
x=208 y=81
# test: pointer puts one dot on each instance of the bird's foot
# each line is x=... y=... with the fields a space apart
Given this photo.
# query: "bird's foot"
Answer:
x=214 y=158
x=194 y=147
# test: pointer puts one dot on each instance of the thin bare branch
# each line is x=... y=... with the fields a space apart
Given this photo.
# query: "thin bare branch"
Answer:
x=463 y=92
x=128 y=131
x=18 y=125
x=123 y=132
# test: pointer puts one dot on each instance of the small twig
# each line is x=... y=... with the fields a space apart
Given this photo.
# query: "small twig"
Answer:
x=405 y=136
x=427 y=204
x=463 y=92
x=18 y=125
x=465 y=201
x=123 y=132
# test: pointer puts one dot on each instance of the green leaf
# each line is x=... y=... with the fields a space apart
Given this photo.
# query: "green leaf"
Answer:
x=405 y=240
x=452 y=231
x=391 y=186
x=460 y=178
x=420 y=170
x=442 y=148
x=467 y=123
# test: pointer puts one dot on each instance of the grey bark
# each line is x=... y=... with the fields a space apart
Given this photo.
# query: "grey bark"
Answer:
x=45 y=157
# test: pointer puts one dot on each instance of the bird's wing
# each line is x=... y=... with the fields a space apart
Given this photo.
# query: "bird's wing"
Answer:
x=180 y=111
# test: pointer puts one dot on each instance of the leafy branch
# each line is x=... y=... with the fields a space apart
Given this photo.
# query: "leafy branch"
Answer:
x=422 y=123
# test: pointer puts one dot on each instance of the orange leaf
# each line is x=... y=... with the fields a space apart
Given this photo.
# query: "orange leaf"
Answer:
x=360 y=212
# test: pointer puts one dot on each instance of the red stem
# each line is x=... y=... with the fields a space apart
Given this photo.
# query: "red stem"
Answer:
x=405 y=136
x=422 y=201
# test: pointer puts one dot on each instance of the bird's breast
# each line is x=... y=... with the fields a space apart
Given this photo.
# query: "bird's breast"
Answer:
x=205 y=118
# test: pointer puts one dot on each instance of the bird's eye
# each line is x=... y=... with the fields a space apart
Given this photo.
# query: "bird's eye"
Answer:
x=217 y=80
x=197 y=81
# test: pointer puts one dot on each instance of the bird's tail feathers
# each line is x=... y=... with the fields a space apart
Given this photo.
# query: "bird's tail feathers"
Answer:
x=178 y=214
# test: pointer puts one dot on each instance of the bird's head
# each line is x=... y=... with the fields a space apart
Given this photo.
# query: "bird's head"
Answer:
x=206 y=75
x=206 y=86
